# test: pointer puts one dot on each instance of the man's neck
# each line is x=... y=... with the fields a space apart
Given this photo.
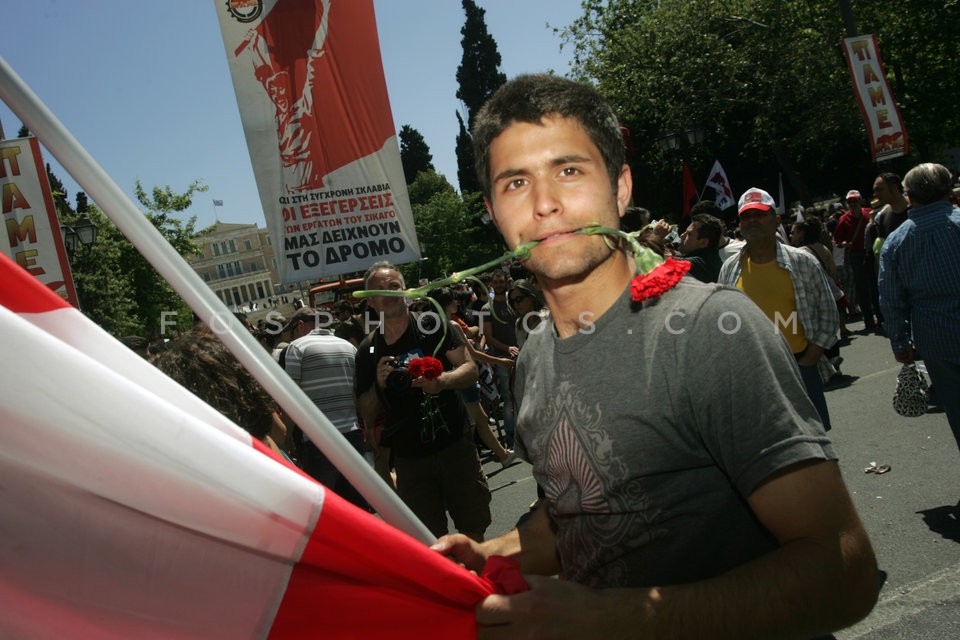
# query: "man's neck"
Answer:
x=762 y=250
x=575 y=305
x=395 y=326
x=693 y=253
x=898 y=204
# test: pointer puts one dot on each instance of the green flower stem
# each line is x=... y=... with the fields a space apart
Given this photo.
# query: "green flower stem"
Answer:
x=521 y=253
x=646 y=260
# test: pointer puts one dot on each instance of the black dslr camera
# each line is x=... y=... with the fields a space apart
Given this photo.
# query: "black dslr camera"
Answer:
x=399 y=379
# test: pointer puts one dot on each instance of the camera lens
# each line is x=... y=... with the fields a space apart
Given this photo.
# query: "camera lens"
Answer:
x=399 y=379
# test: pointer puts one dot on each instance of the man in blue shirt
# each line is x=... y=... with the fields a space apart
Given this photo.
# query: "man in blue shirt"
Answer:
x=920 y=284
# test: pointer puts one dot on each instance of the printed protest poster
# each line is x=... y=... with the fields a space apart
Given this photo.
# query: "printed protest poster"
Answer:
x=888 y=135
x=315 y=111
x=31 y=230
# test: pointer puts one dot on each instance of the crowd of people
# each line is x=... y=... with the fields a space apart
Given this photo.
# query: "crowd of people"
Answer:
x=669 y=505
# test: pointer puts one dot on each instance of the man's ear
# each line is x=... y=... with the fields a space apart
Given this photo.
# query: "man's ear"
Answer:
x=624 y=189
x=493 y=216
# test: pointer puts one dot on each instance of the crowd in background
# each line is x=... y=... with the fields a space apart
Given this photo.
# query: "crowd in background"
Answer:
x=495 y=313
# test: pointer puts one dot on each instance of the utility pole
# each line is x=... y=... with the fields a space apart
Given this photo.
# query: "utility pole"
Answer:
x=848 y=21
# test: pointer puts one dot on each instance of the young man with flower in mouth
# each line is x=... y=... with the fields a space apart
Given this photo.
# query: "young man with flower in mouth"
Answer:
x=683 y=498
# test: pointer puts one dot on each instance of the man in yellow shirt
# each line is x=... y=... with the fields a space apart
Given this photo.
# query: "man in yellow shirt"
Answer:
x=789 y=287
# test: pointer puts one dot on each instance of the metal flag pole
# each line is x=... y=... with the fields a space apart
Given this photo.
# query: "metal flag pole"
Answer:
x=174 y=269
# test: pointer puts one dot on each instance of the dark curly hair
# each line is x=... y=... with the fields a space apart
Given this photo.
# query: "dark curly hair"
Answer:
x=204 y=366
x=811 y=229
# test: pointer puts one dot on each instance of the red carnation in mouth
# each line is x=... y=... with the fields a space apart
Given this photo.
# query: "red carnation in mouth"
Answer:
x=658 y=281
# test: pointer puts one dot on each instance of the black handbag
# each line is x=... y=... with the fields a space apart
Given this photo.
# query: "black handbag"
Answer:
x=910 y=397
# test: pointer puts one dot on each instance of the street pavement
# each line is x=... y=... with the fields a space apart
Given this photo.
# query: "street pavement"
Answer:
x=906 y=511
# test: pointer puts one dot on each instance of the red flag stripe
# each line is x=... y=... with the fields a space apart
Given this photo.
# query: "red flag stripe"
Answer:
x=19 y=293
x=126 y=516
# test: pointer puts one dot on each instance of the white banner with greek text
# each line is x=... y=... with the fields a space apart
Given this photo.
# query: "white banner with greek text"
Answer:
x=313 y=101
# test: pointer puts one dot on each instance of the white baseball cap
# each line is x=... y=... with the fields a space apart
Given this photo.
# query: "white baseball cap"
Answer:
x=754 y=198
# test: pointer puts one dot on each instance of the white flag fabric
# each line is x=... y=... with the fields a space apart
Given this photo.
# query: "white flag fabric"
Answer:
x=783 y=200
x=131 y=509
x=718 y=181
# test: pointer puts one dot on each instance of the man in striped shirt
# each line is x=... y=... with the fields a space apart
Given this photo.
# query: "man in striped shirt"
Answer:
x=323 y=365
x=920 y=284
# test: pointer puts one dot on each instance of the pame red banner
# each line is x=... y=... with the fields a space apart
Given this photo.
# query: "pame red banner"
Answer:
x=31 y=231
x=888 y=135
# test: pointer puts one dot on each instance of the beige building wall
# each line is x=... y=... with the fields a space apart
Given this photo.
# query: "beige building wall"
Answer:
x=238 y=264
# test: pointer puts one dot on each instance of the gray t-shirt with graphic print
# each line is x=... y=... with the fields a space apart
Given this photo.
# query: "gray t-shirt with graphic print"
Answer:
x=650 y=428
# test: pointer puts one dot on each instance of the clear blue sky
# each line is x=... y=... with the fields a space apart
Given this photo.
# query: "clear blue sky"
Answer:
x=145 y=88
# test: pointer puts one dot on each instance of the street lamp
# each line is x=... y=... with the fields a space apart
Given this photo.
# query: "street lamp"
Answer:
x=84 y=232
x=669 y=142
x=673 y=143
x=420 y=280
x=677 y=145
x=695 y=135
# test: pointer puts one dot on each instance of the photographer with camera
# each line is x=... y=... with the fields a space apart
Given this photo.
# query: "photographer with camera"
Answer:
x=436 y=462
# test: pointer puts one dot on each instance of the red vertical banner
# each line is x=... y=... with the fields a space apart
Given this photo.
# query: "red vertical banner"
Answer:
x=888 y=134
x=316 y=114
x=689 y=192
x=31 y=230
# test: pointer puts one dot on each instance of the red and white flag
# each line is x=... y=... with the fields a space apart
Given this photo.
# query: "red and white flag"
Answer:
x=131 y=509
x=718 y=182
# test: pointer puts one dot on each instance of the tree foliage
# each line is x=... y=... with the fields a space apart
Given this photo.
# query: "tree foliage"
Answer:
x=106 y=295
x=478 y=77
x=118 y=289
x=466 y=171
x=60 y=203
x=767 y=80
x=414 y=153
x=449 y=229
x=920 y=65
x=152 y=293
